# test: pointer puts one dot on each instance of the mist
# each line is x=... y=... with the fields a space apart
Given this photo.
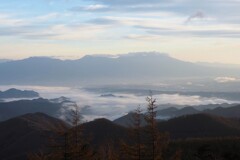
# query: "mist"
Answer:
x=95 y=104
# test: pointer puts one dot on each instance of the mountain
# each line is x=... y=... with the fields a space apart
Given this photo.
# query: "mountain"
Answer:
x=167 y=113
x=124 y=68
x=190 y=126
x=30 y=132
x=4 y=60
x=219 y=65
x=103 y=131
x=231 y=112
x=15 y=93
x=174 y=112
x=26 y=134
x=110 y=96
x=128 y=120
x=61 y=100
x=223 y=110
x=16 y=108
x=200 y=125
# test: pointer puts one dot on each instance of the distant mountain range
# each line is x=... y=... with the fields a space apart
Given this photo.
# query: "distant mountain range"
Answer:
x=15 y=93
x=4 y=60
x=228 y=112
x=59 y=106
x=173 y=112
x=100 y=69
x=199 y=125
x=111 y=96
x=128 y=120
x=219 y=65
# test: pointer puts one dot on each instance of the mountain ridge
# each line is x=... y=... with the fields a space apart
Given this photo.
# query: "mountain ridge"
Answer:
x=130 y=67
x=15 y=93
x=27 y=133
x=22 y=135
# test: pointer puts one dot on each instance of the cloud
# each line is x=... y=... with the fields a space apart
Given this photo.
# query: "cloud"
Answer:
x=94 y=106
x=226 y=79
x=120 y=2
x=197 y=33
x=197 y=15
x=8 y=20
x=44 y=27
x=141 y=37
x=90 y=8
x=130 y=19
x=48 y=16
x=25 y=28
x=104 y=21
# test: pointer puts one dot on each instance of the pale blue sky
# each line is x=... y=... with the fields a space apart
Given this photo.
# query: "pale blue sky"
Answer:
x=192 y=30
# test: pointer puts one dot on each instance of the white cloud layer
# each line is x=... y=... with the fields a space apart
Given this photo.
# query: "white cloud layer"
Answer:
x=227 y=79
x=93 y=105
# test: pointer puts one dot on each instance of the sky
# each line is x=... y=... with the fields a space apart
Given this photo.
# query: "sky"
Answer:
x=191 y=30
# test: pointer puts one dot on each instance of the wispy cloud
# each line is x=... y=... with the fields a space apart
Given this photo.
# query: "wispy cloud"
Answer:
x=197 y=15
x=227 y=79
x=138 y=23
x=38 y=28
x=8 y=20
x=91 y=8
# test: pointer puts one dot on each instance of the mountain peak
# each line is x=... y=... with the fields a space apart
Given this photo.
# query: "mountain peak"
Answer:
x=15 y=93
x=131 y=54
x=144 y=54
x=39 y=59
x=42 y=121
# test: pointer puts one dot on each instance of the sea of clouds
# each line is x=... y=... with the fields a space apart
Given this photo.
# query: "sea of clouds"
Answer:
x=93 y=105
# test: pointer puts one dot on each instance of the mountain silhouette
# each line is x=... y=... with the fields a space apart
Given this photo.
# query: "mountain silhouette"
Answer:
x=15 y=93
x=26 y=134
x=129 y=68
x=16 y=108
x=29 y=133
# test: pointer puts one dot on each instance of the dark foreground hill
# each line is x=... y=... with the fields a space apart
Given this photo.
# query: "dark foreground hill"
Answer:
x=104 y=131
x=25 y=134
x=200 y=125
x=16 y=108
x=194 y=126
x=230 y=112
x=22 y=135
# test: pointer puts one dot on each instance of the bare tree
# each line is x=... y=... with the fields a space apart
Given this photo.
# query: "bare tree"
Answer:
x=133 y=149
x=78 y=146
x=38 y=156
x=71 y=143
x=108 y=152
x=155 y=141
